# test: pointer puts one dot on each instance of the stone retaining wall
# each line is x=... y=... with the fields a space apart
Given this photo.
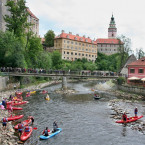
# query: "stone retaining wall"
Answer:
x=3 y=82
x=132 y=89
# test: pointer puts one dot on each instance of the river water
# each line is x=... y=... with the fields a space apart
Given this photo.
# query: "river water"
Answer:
x=84 y=121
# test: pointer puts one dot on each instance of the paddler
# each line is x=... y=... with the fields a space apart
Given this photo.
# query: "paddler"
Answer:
x=4 y=122
x=20 y=128
x=55 y=126
x=135 y=111
x=124 y=117
x=32 y=119
x=47 y=97
x=10 y=110
x=27 y=129
x=45 y=132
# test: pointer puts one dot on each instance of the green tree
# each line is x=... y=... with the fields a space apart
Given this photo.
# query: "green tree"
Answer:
x=49 y=38
x=17 y=20
x=11 y=50
x=124 y=50
x=33 y=51
x=56 y=60
x=140 y=53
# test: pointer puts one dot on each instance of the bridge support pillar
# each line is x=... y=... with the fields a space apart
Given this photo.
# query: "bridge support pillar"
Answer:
x=64 y=83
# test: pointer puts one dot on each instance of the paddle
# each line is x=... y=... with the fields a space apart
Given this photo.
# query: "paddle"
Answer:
x=35 y=128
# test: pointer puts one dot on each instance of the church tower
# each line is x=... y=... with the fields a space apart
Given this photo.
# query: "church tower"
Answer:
x=112 y=30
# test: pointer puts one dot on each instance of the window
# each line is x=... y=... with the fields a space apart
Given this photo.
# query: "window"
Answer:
x=86 y=54
x=71 y=47
x=79 y=43
x=71 y=53
x=76 y=43
x=64 y=52
x=67 y=41
x=92 y=55
x=79 y=54
x=79 y=48
x=132 y=71
x=82 y=54
x=67 y=52
x=72 y=42
x=86 y=49
x=67 y=57
x=76 y=48
x=75 y=53
x=141 y=71
x=83 y=44
x=67 y=46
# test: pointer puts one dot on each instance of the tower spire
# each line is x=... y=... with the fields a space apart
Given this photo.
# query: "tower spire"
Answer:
x=112 y=30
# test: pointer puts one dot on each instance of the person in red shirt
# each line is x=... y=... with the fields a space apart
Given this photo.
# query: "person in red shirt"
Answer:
x=124 y=117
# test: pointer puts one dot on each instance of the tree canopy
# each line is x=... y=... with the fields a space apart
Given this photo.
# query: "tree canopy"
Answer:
x=49 y=38
x=17 y=20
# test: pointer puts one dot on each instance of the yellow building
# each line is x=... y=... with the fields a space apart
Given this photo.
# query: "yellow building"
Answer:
x=73 y=47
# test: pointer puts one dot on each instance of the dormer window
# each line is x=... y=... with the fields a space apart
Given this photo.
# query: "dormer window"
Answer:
x=75 y=38
x=86 y=40
x=67 y=36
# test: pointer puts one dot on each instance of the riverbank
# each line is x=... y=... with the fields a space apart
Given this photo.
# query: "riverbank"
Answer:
x=7 y=136
x=125 y=102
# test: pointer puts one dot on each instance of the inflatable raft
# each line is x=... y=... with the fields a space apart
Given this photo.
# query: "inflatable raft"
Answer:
x=130 y=119
x=16 y=103
x=14 y=117
x=25 y=123
x=16 y=108
x=26 y=135
x=51 y=134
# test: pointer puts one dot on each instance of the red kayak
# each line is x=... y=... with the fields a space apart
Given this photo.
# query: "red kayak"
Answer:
x=16 y=108
x=44 y=92
x=25 y=123
x=19 y=93
x=16 y=103
x=19 y=103
x=26 y=135
x=130 y=119
x=14 y=117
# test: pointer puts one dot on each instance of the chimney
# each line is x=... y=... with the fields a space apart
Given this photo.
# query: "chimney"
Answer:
x=84 y=36
x=88 y=37
x=70 y=33
x=77 y=34
x=62 y=31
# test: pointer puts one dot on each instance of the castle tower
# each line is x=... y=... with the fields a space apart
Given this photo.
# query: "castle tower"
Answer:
x=112 y=30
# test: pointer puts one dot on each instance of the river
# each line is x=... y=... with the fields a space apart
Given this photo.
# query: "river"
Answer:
x=84 y=121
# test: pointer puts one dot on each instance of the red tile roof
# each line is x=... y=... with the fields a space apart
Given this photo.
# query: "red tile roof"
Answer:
x=76 y=38
x=31 y=14
x=140 y=62
x=107 y=41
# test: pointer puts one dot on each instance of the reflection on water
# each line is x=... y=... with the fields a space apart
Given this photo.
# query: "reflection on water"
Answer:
x=124 y=130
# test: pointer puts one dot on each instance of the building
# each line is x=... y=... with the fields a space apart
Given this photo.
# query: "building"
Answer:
x=124 y=69
x=111 y=44
x=3 y=11
x=31 y=18
x=73 y=47
x=136 y=71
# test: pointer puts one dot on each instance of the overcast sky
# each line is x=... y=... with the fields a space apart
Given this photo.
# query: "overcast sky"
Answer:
x=92 y=17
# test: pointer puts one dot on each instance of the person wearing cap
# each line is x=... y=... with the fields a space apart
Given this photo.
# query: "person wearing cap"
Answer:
x=135 y=111
x=124 y=117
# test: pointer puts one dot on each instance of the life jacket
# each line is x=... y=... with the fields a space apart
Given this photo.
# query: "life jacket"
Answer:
x=20 y=126
x=124 y=116
x=27 y=128
x=5 y=120
x=46 y=132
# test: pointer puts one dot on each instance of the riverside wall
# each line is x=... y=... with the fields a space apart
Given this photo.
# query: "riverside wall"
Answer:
x=132 y=89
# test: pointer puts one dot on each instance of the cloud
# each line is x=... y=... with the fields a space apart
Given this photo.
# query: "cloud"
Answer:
x=92 y=18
